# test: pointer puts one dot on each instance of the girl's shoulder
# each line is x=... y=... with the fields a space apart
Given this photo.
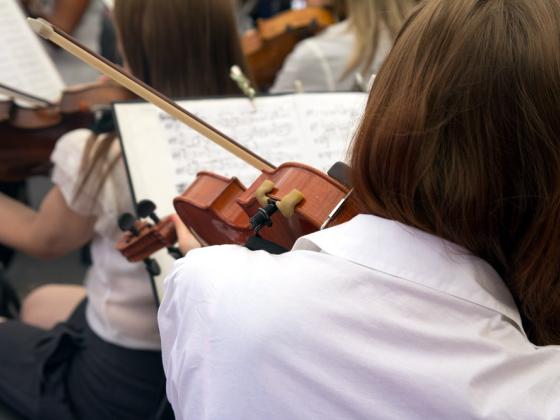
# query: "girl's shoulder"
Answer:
x=74 y=144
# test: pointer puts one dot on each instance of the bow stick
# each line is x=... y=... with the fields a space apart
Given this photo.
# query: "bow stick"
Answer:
x=141 y=89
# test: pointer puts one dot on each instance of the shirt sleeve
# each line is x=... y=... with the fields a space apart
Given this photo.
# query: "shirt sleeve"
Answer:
x=105 y=202
x=67 y=160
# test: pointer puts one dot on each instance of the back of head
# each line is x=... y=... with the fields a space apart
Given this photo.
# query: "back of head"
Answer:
x=461 y=139
x=180 y=47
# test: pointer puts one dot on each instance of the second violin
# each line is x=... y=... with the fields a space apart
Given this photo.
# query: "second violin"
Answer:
x=29 y=133
x=267 y=47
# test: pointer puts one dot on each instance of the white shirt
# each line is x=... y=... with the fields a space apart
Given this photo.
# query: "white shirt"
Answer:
x=320 y=62
x=121 y=307
x=367 y=320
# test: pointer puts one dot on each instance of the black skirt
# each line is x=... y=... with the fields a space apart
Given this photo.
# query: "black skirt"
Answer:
x=70 y=373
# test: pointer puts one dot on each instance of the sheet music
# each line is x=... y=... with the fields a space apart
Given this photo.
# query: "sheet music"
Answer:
x=163 y=155
x=24 y=63
x=266 y=131
x=304 y=128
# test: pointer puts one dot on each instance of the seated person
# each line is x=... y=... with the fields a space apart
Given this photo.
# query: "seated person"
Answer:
x=99 y=357
x=441 y=300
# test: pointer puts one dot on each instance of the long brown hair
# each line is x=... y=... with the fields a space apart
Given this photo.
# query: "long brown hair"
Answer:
x=367 y=19
x=461 y=138
x=181 y=48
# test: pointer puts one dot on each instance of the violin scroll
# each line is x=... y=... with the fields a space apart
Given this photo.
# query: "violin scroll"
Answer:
x=142 y=238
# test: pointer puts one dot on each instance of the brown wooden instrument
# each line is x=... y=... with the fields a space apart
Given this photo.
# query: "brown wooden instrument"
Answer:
x=147 y=239
x=28 y=134
x=293 y=199
x=267 y=46
x=219 y=210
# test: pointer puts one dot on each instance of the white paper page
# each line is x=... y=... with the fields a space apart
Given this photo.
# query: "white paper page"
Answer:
x=163 y=156
x=325 y=123
x=24 y=63
x=311 y=128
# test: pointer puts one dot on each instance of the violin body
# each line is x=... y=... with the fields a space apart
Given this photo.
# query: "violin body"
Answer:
x=28 y=135
x=218 y=209
x=25 y=152
x=267 y=47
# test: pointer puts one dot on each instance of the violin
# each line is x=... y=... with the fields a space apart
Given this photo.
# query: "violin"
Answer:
x=266 y=47
x=290 y=201
x=28 y=133
x=251 y=211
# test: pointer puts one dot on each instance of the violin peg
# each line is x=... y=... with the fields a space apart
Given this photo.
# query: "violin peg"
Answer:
x=287 y=206
x=145 y=207
x=126 y=223
x=152 y=266
x=175 y=252
x=266 y=188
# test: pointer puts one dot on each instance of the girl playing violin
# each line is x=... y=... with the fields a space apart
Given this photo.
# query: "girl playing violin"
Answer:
x=98 y=357
x=442 y=300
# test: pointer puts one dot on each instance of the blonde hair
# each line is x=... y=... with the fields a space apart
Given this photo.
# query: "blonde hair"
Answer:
x=367 y=19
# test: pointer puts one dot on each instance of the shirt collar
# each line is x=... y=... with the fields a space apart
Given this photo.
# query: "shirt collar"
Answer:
x=408 y=253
